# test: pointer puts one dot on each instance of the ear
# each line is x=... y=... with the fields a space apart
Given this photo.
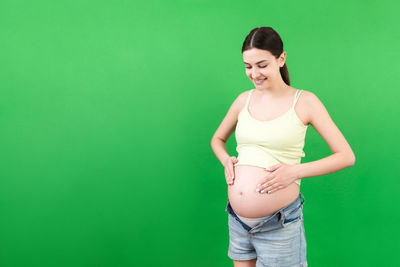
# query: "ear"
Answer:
x=282 y=59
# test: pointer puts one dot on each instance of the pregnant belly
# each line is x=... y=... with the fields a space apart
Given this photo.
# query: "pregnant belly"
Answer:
x=246 y=202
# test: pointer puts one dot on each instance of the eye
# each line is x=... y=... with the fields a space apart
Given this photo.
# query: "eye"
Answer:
x=260 y=67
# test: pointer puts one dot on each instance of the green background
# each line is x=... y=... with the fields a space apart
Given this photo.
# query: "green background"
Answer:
x=107 y=109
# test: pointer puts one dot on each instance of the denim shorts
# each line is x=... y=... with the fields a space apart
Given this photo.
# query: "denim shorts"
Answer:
x=277 y=240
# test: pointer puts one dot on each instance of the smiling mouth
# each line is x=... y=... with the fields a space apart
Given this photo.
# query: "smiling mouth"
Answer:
x=259 y=81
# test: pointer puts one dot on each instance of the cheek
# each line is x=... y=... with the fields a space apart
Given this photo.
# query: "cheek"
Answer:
x=265 y=72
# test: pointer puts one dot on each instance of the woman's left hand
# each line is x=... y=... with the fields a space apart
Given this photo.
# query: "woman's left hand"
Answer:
x=280 y=177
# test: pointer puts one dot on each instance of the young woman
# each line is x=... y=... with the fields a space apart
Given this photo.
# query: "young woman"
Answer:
x=265 y=206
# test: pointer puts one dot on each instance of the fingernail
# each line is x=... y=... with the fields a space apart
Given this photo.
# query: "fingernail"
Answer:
x=262 y=191
x=258 y=185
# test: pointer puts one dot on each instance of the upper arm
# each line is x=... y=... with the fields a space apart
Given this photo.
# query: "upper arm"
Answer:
x=228 y=124
x=324 y=125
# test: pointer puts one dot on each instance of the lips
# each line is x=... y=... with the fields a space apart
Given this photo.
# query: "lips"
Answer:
x=259 y=81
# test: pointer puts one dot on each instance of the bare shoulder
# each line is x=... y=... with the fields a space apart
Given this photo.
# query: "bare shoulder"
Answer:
x=240 y=101
x=230 y=120
x=302 y=107
x=312 y=104
x=316 y=113
x=309 y=96
x=238 y=104
x=322 y=122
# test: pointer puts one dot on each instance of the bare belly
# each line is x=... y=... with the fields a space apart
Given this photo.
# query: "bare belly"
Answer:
x=246 y=202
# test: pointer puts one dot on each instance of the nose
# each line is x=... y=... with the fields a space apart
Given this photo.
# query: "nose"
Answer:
x=255 y=74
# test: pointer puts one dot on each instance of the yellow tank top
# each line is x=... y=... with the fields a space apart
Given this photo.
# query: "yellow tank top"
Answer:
x=266 y=143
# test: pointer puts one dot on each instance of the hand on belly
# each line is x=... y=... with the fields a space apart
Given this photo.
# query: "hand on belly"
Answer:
x=247 y=202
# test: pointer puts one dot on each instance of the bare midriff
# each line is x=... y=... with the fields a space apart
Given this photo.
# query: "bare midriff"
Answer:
x=246 y=202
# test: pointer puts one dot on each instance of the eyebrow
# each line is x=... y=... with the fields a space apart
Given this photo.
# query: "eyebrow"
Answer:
x=257 y=62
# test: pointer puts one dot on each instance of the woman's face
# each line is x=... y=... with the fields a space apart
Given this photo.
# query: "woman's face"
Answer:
x=262 y=67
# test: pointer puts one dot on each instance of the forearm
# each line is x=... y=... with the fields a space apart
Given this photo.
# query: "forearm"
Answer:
x=220 y=151
x=330 y=164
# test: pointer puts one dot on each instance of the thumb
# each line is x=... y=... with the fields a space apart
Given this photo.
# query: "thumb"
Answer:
x=273 y=167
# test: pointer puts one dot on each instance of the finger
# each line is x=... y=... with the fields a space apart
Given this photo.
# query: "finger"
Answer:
x=262 y=185
x=276 y=189
x=231 y=177
x=268 y=183
x=268 y=177
x=227 y=177
x=274 y=167
x=231 y=171
x=273 y=187
x=270 y=187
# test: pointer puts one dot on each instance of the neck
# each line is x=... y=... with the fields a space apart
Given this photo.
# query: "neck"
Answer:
x=275 y=90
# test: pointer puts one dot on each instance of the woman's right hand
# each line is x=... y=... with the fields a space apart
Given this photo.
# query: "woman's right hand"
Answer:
x=229 y=172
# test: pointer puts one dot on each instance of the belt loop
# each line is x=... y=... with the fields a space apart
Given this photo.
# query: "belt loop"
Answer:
x=281 y=217
x=304 y=199
x=227 y=204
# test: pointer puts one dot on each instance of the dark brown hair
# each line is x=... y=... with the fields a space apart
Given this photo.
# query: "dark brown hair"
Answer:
x=267 y=38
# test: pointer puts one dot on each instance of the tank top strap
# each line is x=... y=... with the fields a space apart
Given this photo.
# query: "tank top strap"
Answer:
x=248 y=98
x=296 y=97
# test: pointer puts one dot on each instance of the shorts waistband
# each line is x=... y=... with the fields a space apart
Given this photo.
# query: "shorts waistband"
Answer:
x=283 y=211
